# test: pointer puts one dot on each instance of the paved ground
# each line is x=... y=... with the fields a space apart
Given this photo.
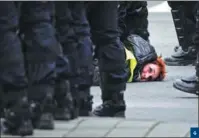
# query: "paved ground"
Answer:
x=112 y=127
x=154 y=109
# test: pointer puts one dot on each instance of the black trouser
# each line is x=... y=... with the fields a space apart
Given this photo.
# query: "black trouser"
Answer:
x=186 y=22
x=73 y=32
x=104 y=28
x=196 y=35
x=41 y=48
x=133 y=19
x=12 y=71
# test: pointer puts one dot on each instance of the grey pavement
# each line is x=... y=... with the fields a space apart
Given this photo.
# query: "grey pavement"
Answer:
x=116 y=127
x=153 y=3
x=154 y=109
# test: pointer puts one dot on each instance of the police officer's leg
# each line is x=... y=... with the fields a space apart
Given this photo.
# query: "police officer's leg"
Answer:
x=12 y=73
x=185 y=53
x=111 y=58
x=137 y=19
x=84 y=48
x=40 y=53
x=64 y=101
x=190 y=32
x=66 y=36
x=65 y=107
x=191 y=84
x=177 y=11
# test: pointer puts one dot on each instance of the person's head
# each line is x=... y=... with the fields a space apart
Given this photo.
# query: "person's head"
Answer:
x=154 y=71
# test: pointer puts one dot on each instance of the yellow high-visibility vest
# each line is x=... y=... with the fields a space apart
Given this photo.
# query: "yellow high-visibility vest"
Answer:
x=132 y=63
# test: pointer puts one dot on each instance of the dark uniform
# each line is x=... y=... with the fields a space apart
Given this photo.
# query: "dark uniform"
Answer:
x=67 y=63
x=133 y=19
x=73 y=32
x=103 y=17
x=191 y=84
x=185 y=54
x=41 y=50
x=14 y=82
x=196 y=42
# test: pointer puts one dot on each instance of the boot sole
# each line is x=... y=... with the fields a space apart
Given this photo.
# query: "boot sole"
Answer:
x=120 y=114
x=117 y=115
x=181 y=63
x=184 y=89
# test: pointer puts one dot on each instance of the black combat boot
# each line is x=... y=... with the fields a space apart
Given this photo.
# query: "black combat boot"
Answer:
x=85 y=102
x=112 y=88
x=64 y=102
x=42 y=107
x=17 y=119
x=114 y=107
x=186 y=86
x=76 y=100
x=191 y=84
x=181 y=58
x=189 y=79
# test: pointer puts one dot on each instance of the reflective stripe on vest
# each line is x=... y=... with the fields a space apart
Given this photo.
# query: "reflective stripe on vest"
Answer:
x=132 y=63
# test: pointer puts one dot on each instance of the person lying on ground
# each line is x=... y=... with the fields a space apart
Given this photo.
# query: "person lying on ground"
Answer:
x=143 y=63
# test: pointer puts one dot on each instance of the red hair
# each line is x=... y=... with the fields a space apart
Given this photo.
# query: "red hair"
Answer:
x=160 y=62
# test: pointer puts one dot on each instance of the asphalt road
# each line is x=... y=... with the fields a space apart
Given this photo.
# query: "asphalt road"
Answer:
x=159 y=100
